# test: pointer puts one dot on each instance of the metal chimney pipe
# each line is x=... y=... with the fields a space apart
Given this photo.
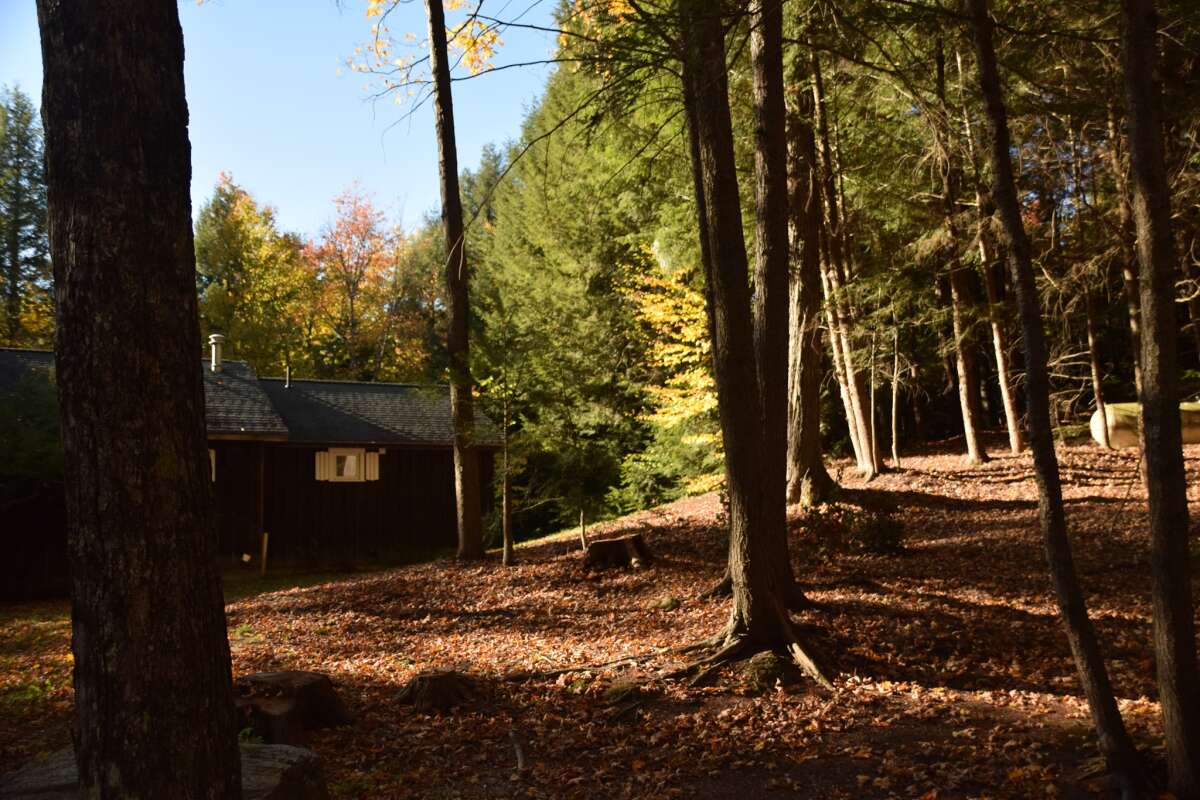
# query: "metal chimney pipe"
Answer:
x=215 y=340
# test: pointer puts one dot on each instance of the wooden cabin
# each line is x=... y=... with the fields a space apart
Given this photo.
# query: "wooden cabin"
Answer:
x=337 y=473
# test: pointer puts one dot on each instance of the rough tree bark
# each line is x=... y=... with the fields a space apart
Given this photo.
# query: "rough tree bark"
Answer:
x=772 y=256
x=758 y=617
x=1162 y=445
x=153 y=696
x=808 y=482
x=466 y=458
x=1114 y=741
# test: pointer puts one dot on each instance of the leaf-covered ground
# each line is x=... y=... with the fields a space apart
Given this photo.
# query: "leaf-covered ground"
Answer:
x=955 y=678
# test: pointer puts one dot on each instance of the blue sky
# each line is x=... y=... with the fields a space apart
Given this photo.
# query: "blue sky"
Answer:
x=268 y=104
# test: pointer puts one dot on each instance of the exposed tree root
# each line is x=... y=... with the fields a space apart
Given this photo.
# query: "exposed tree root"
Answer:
x=734 y=646
x=520 y=677
x=794 y=597
x=529 y=675
x=721 y=590
x=808 y=664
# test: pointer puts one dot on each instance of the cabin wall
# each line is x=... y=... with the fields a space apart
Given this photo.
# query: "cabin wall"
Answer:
x=33 y=536
x=407 y=514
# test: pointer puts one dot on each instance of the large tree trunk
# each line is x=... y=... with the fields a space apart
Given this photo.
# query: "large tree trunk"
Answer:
x=772 y=255
x=1162 y=446
x=466 y=457
x=808 y=482
x=1114 y=740
x=757 y=521
x=1125 y=233
x=153 y=696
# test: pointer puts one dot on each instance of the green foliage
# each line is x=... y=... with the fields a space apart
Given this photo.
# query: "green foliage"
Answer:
x=26 y=299
x=362 y=301
x=560 y=355
x=252 y=282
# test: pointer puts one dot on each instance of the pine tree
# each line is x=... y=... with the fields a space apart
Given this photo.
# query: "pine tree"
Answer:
x=24 y=254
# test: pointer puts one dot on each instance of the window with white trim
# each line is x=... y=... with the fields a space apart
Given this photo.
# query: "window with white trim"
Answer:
x=347 y=465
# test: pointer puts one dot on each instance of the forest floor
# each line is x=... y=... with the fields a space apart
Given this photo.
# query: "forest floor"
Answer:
x=955 y=678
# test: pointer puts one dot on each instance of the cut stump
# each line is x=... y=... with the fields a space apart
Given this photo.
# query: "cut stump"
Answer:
x=281 y=707
x=269 y=772
x=622 y=551
x=437 y=690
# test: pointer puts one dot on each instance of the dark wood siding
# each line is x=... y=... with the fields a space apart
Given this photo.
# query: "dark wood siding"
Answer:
x=33 y=535
x=406 y=514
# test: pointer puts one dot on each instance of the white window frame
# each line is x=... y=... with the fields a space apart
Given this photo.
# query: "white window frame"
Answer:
x=360 y=460
x=368 y=464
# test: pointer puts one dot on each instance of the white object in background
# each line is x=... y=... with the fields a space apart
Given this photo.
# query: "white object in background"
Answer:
x=1123 y=421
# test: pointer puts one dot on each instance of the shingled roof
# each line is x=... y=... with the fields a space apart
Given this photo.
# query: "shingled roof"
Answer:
x=235 y=404
x=239 y=404
x=369 y=413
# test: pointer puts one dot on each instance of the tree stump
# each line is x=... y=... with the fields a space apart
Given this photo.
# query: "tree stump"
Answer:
x=623 y=551
x=281 y=707
x=269 y=772
x=437 y=690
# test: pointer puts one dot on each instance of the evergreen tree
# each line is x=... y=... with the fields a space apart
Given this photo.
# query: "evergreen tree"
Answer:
x=24 y=249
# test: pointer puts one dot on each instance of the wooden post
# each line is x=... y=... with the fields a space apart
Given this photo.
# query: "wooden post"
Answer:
x=259 y=526
x=262 y=564
x=583 y=542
